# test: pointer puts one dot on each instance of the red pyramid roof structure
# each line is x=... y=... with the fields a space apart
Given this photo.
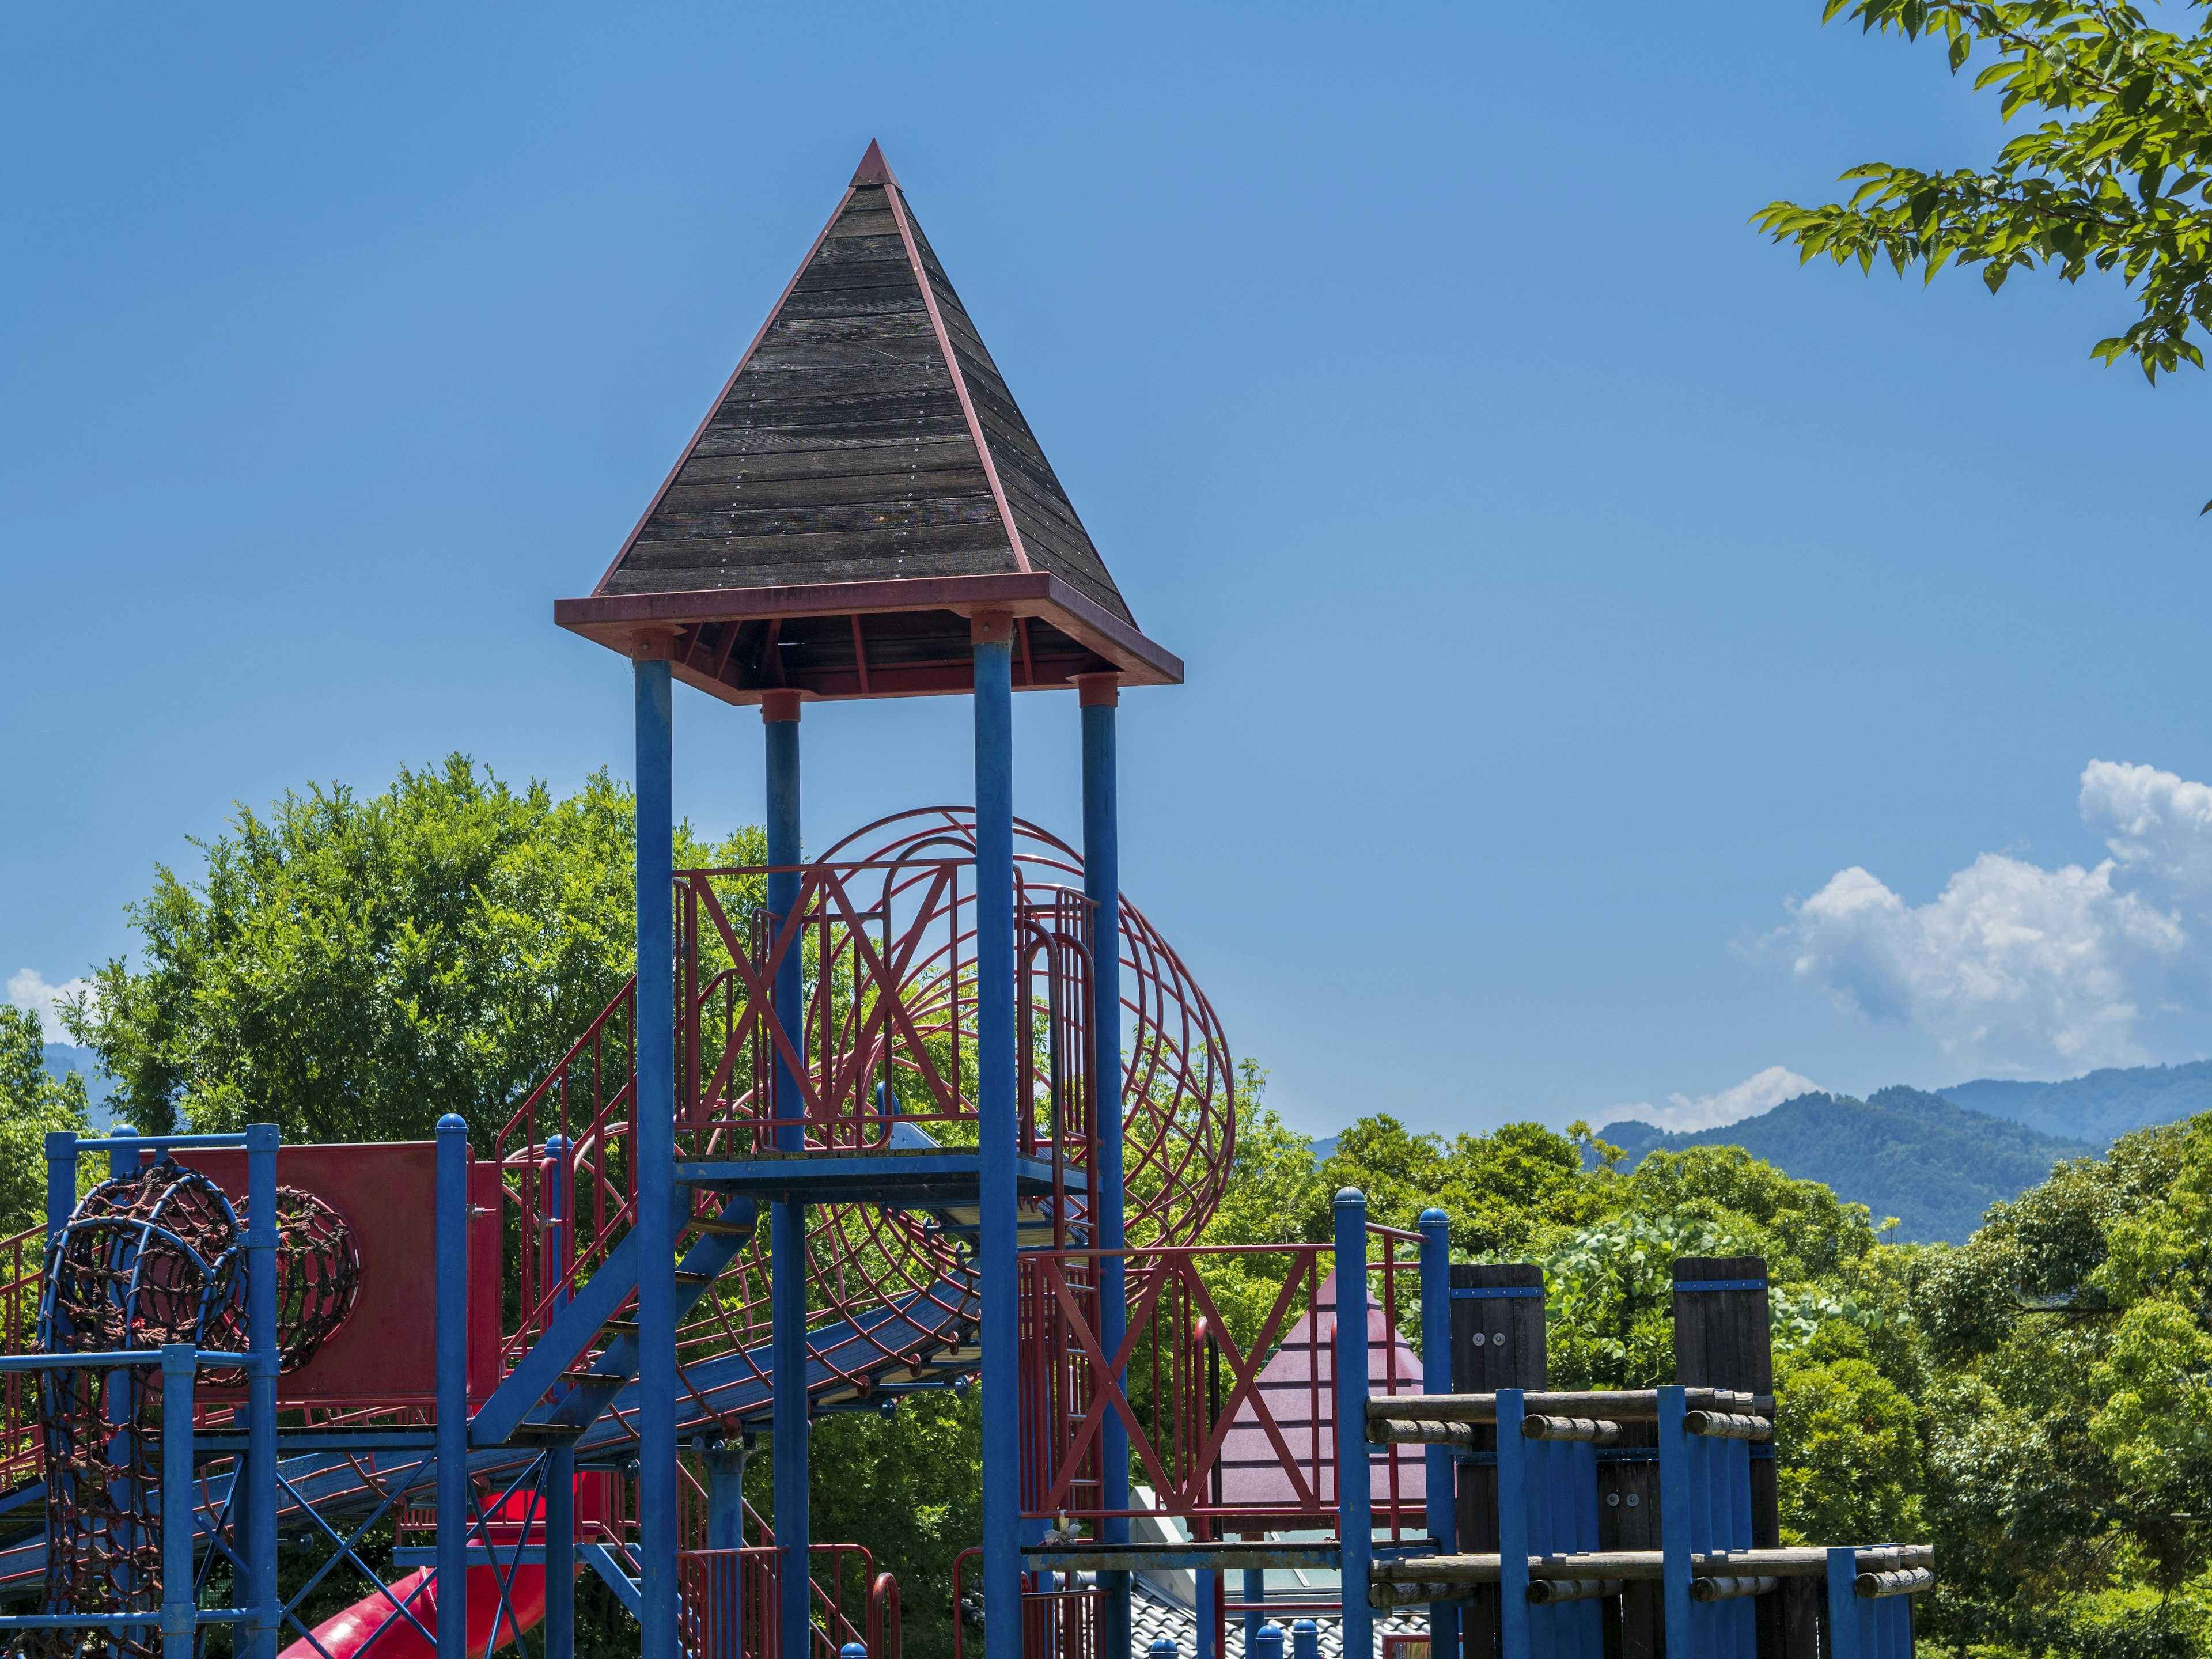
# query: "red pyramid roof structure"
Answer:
x=1301 y=1373
x=862 y=485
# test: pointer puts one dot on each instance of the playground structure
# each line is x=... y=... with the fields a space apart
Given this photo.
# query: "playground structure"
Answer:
x=935 y=1105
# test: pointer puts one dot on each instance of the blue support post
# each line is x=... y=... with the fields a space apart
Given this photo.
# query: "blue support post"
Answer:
x=1305 y=1639
x=788 y=1221
x=1265 y=1643
x=725 y=1495
x=61 y=1181
x=261 y=1141
x=655 y=1148
x=1202 y=1597
x=452 y=1382
x=1513 y=1475
x=124 y=1384
x=1102 y=884
x=1442 y=1466
x=1255 y=1619
x=991 y=634
x=1355 y=1501
x=179 y=1607
x=560 y=1455
x=1678 y=1500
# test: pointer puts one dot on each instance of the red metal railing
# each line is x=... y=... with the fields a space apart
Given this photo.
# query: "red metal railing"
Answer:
x=1062 y=1619
x=1233 y=1429
x=729 y=1603
x=22 y=1451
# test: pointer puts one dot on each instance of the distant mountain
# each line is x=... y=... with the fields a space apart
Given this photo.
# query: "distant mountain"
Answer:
x=61 y=1059
x=1934 y=1165
x=2098 y=1107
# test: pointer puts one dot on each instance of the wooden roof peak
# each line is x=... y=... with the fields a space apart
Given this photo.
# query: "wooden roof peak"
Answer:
x=865 y=459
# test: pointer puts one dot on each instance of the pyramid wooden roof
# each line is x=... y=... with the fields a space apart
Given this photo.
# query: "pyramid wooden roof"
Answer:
x=863 y=485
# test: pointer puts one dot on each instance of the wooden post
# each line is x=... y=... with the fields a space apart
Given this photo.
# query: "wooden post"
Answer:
x=1722 y=1340
x=1498 y=1342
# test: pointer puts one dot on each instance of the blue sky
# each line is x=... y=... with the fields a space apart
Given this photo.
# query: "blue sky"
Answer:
x=1575 y=591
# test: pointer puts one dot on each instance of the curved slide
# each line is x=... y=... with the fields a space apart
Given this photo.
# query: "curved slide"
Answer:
x=373 y=1628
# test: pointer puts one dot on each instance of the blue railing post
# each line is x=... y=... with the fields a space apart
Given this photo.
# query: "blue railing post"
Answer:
x=1355 y=1501
x=1102 y=884
x=560 y=1455
x=1513 y=1636
x=124 y=1384
x=1305 y=1639
x=1443 y=1465
x=991 y=634
x=261 y=1142
x=654 y=1146
x=180 y=1616
x=789 y=1417
x=1267 y=1643
x=1843 y=1638
x=453 y=1385
x=1255 y=1619
x=1677 y=1524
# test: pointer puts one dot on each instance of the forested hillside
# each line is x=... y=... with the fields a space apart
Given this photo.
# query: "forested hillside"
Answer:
x=2100 y=1107
x=1935 y=1166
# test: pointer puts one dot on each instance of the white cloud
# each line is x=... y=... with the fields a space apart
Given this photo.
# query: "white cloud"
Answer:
x=28 y=989
x=2012 y=965
x=1755 y=1094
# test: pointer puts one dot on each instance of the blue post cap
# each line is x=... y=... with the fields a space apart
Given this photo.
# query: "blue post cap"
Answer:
x=1268 y=1642
x=117 y=1131
x=1434 y=1217
x=1305 y=1639
x=1162 y=1648
x=1349 y=1196
x=453 y=1124
x=852 y=1650
x=553 y=1143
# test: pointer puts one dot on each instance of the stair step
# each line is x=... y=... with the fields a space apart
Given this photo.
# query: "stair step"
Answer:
x=622 y=1327
x=553 y=1433
x=710 y=1223
x=683 y=1278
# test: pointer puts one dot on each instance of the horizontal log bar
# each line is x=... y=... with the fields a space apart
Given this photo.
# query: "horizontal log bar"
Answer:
x=1727 y=1425
x=1634 y=1404
x=1910 y=1582
x=1542 y=1592
x=1728 y=1590
x=1412 y=1431
x=1802 y=1561
x=1590 y=1430
x=1384 y=1596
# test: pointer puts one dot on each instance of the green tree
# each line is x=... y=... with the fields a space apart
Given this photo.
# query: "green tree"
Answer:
x=2113 y=177
x=32 y=1104
x=351 y=968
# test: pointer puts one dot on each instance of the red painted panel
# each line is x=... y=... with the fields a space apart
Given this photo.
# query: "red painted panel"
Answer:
x=384 y=1353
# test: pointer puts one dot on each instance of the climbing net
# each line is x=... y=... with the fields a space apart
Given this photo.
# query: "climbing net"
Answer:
x=152 y=1257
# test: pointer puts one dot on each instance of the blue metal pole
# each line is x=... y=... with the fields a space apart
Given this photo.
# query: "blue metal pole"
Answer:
x=1843 y=1637
x=1102 y=884
x=179 y=1620
x=1256 y=1620
x=789 y=1419
x=560 y=1456
x=1442 y=1470
x=1355 y=1500
x=453 y=1384
x=992 y=636
x=654 y=1109
x=1677 y=1498
x=261 y=1140
x=1267 y=1643
x=1305 y=1639
x=125 y=1386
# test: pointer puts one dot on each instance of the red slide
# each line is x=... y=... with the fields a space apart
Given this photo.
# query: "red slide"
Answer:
x=362 y=1631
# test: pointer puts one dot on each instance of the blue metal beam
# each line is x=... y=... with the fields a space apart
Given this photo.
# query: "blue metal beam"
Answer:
x=995 y=1110
x=453 y=1375
x=787 y=1219
x=1443 y=1471
x=1102 y=884
x=1355 y=1502
x=654 y=1143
